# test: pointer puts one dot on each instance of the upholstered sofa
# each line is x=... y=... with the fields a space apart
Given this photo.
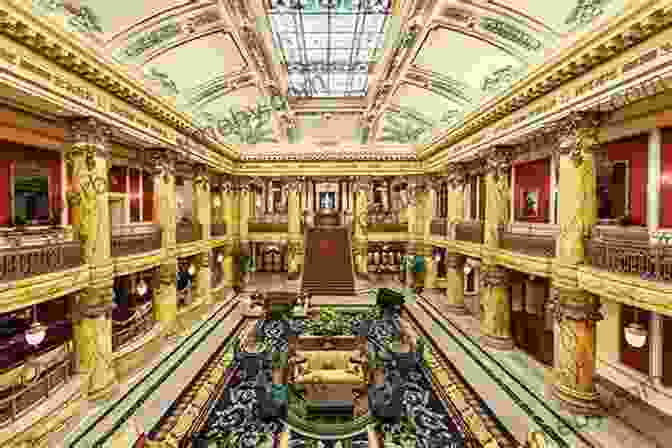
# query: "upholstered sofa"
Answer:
x=331 y=367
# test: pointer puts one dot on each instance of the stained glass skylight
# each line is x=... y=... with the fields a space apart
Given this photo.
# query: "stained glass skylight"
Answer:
x=327 y=45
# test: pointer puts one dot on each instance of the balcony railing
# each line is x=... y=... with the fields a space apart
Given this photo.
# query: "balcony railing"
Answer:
x=218 y=229
x=529 y=244
x=17 y=400
x=470 y=231
x=439 y=226
x=130 y=240
x=187 y=232
x=138 y=324
x=24 y=262
x=629 y=253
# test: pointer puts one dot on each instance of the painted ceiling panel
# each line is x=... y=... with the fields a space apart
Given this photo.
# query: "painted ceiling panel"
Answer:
x=561 y=16
x=212 y=55
x=117 y=15
x=338 y=128
x=471 y=60
x=429 y=105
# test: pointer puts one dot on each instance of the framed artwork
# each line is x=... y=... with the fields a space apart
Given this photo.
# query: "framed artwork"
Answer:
x=530 y=203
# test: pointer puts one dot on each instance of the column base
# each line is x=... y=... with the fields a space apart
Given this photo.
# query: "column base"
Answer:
x=577 y=402
x=497 y=343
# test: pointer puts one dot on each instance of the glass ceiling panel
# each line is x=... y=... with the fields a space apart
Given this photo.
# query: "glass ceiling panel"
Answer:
x=327 y=45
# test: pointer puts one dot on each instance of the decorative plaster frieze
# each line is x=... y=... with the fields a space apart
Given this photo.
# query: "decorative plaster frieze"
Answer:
x=289 y=156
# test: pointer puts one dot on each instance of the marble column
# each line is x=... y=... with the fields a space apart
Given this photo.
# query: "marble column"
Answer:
x=577 y=185
x=497 y=165
x=654 y=170
x=228 y=201
x=576 y=312
x=657 y=353
x=244 y=188
x=455 y=284
x=88 y=160
x=294 y=228
x=92 y=340
x=202 y=201
x=202 y=280
x=361 y=218
x=427 y=198
x=495 y=307
x=165 y=301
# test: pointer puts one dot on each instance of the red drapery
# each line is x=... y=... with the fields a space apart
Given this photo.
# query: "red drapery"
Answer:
x=148 y=197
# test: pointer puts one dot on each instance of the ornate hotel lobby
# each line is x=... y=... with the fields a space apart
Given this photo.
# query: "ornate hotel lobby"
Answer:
x=335 y=224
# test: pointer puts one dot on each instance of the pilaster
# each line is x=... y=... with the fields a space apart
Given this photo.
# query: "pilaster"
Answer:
x=244 y=187
x=653 y=189
x=575 y=312
x=295 y=249
x=495 y=307
x=362 y=187
x=163 y=162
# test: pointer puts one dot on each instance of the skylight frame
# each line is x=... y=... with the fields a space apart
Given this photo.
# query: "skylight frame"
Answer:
x=312 y=53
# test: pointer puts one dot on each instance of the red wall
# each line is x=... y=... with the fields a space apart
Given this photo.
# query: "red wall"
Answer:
x=634 y=150
x=5 y=213
x=531 y=176
x=666 y=179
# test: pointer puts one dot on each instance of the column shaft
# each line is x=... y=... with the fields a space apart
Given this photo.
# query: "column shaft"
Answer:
x=455 y=284
x=574 y=367
x=495 y=307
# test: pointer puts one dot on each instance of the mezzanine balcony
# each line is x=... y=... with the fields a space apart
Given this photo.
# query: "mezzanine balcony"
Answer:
x=627 y=250
x=135 y=239
x=36 y=251
x=535 y=240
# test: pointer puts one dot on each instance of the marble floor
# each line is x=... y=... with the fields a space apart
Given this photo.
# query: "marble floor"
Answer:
x=496 y=376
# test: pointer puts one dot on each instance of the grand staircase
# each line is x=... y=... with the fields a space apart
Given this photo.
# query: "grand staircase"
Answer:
x=328 y=269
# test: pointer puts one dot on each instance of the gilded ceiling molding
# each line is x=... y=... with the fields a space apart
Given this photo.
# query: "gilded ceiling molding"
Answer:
x=328 y=156
x=20 y=25
x=588 y=53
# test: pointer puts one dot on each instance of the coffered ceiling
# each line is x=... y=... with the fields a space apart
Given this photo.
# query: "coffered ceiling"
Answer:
x=385 y=71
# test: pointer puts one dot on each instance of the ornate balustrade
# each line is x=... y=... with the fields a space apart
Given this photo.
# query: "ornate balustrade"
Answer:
x=470 y=231
x=24 y=262
x=187 y=232
x=628 y=251
x=26 y=394
x=218 y=229
x=131 y=239
x=528 y=243
x=138 y=324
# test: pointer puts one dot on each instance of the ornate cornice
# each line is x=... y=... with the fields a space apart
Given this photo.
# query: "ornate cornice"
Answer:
x=626 y=30
x=329 y=156
x=90 y=136
x=498 y=161
x=60 y=48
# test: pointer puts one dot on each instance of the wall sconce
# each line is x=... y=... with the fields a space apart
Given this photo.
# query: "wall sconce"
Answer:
x=37 y=332
x=192 y=270
x=220 y=257
x=217 y=202
x=142 y=288
x=467 y=268
x=180 y=202
x=635 y=333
